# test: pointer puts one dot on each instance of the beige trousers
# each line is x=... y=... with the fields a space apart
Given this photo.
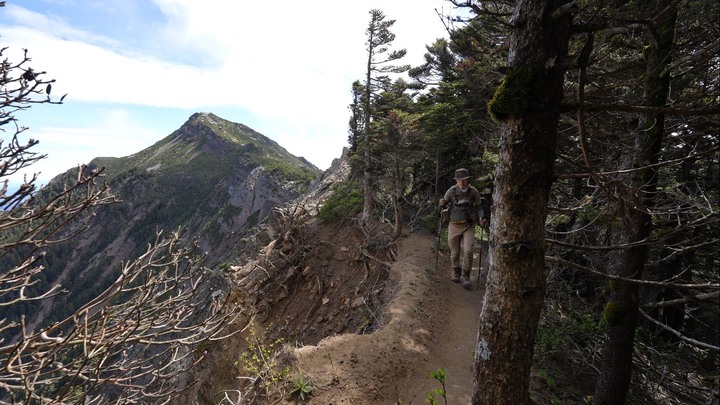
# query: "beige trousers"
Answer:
x=461 y=237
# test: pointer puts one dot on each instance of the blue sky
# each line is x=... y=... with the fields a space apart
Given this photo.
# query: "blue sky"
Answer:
x=134 y=70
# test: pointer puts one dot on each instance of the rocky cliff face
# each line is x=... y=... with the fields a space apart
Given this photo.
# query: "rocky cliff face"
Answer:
x=212 y=178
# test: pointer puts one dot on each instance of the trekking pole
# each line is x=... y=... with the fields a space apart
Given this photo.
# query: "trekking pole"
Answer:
x=479 y=259
x=437 y=248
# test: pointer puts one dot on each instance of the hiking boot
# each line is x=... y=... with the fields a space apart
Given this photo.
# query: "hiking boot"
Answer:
x=466 y=280
x=456 y=275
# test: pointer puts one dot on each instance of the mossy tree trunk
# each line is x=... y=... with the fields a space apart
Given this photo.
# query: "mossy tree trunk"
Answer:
x=528 y=106
x=633 y=212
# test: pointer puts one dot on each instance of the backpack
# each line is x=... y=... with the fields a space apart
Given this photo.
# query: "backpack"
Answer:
x=463 y=209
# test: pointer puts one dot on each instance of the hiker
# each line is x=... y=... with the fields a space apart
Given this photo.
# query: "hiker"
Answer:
x=465 y=208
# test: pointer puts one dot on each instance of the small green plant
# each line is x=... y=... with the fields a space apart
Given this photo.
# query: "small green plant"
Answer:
x=547 y=378
x=260 y=360
x=550 y=339
x=302 y=387
x=332 y=364
x=438 y=375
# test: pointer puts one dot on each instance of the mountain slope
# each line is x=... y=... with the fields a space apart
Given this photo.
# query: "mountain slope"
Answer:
x=211 y=177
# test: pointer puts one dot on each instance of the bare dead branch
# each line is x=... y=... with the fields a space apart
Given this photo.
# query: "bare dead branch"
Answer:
x=687 y=111
x=129 y=343
x=680 y=301
x=585 y=269
x=682 y=337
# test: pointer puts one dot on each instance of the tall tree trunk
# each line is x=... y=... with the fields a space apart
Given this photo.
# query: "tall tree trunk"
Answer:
x=528 y=106
x=367 y=161
x=621 y=311
x=378 y=43
x=397 y=196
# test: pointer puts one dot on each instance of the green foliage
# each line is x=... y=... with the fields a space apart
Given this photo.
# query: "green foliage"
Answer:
x=550 y=339
x=302 y=387
x=567 y=322
x=438 y=375
x=547 y=378
x=346 y=200
x=513 y=97
x=284 y=171
x=260 y=361
x=556 y=220
x=563 y=325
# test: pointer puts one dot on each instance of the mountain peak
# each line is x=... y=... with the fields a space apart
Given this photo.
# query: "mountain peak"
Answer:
x=210 y=139
x=205 y=125
x=204 y=117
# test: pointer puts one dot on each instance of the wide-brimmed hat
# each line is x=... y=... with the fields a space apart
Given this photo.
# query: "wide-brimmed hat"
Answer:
x=461 y=174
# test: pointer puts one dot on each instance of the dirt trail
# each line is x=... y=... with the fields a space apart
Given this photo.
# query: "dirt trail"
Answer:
x=431 y=324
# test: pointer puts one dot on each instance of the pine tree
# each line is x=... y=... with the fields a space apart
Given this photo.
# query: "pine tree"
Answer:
x=379 y=41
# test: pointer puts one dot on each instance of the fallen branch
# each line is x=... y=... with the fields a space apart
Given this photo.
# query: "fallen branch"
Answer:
x=682 y=337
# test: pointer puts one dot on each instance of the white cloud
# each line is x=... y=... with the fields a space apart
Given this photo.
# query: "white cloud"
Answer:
x=69 y=147
x=55 y=27
x=288 y=63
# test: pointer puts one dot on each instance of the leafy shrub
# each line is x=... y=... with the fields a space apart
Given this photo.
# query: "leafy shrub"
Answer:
x=289 y=172
x=345 y=200
x=260 y=361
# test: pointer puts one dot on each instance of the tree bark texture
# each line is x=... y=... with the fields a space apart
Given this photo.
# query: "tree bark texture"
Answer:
x=633 y=209
x=533 y=91
x=367 y=156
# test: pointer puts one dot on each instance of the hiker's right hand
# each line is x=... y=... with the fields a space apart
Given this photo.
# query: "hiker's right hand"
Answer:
x=442 y=202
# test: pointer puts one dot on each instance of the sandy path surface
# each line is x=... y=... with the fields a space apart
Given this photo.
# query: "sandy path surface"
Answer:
x=431 y=324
